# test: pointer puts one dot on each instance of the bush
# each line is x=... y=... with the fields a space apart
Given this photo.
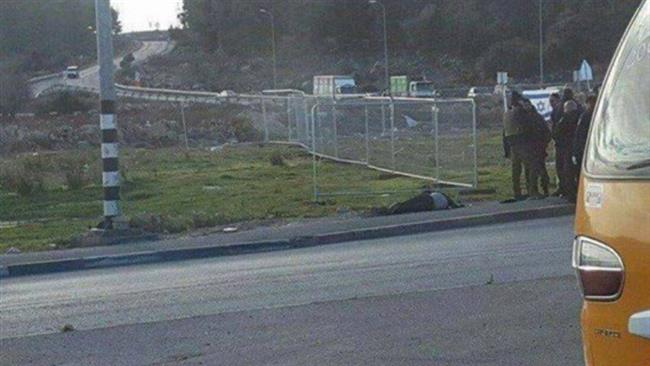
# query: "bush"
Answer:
x=127 y=61
x=14 y=92
x=24 y=177
x=243 y=130
x=65 y=103
x=277 y=159
x=76 y=172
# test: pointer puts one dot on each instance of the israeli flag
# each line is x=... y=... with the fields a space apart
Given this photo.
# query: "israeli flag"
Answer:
x=539 y=98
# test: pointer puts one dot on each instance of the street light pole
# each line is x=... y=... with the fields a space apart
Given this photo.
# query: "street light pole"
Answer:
x=275 y=75
x=108 y=123
x=386 y=73
x=541 y=43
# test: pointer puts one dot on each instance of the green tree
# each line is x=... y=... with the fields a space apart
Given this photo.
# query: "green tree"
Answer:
x=14 y=92
x=48 y=34
x=341 y=36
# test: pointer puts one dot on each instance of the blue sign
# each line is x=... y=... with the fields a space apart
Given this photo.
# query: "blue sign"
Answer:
x=585 y=73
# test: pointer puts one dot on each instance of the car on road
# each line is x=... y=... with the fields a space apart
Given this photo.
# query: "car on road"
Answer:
x=72 y=72
x=476 y=91
x=227 y=93
x=611 y=252
x=422 y=89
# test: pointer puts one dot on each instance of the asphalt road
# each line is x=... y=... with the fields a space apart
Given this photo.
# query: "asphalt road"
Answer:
x=89 y=76
x=492 y=295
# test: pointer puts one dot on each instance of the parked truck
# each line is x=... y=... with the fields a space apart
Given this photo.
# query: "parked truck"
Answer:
x=422 y=89
x=400 y=86
x=334 y=85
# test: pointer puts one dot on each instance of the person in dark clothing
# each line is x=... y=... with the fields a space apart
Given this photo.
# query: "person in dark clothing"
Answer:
x=556 y=104
x=516 y=145
x=539 y=140
x=568 y=95
x=564 y=135
x=580 y=140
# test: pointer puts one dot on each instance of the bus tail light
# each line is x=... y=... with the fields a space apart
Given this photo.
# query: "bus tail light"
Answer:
x=599 y=270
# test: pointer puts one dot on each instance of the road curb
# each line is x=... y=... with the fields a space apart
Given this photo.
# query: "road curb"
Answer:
x=169 y=255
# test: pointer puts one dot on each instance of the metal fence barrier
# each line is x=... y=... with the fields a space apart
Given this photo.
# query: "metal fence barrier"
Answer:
x=434 y=140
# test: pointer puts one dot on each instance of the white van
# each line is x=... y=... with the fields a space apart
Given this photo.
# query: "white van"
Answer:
x=72 y=72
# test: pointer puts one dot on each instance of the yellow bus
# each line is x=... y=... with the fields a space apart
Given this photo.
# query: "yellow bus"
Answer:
x=611 y=251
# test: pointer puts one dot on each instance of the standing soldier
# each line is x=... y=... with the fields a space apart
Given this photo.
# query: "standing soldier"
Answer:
x=568 y=95
x=516 y=145
x=556 y=115
x=564 y=135
x=582 y=131
x=539 y=140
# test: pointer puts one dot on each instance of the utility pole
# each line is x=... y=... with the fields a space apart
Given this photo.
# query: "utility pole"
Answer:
x=541 y=42
x=275 y=72
x=108 y=123
x=386 y=73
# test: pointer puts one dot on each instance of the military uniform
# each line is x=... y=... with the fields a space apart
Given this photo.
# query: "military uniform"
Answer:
x=540 y=138
x=564 y=135
x=580 y=139
x=556 y=116
x=516 y=144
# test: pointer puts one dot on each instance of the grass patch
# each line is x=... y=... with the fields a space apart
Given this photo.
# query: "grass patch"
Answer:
x=170 y=190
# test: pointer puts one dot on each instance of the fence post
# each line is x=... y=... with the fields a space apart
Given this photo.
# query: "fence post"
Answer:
x=314 y=114
x=296 y=117
x=436 y=146
x=289 y=118
x=187 y=145
x=264 y=121
x=367 y=137
x=319 y=128
x=335 y=130
x=475 y=142
x=306 y=119
x=392 y=133
x=383 y=118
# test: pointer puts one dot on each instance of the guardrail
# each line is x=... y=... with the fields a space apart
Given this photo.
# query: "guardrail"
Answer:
x=167 y=95
x=69 y=88
x=45 y=77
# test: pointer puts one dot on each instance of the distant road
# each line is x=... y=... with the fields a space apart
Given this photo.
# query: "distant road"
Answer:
x=89 y=77
x=491 y=295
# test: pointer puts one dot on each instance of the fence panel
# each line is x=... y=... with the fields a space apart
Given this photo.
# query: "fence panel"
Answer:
x=457 y=141
x=430 y=139
x=433 y=140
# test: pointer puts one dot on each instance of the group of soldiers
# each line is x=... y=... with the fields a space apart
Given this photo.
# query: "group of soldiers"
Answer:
x=526 y=136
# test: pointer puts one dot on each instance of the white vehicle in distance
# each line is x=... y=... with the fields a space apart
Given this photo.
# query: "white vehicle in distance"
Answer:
x=227 y=93
x=422 y=89
x=476 y=91
x=72 y=72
